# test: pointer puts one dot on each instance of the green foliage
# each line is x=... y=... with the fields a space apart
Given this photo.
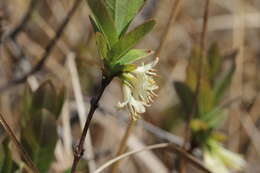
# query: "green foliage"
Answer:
x=8 y=162
x=214 y=61
x=133 y=55
x=224 y=81
x=40 y=111
x=186 y=96
x=206 y=73
x=101 y=45
x=129 y=40
x=103 y=21
x=110 y=20
x=123 y=12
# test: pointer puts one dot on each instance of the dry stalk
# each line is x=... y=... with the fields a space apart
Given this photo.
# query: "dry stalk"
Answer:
x=123 y=143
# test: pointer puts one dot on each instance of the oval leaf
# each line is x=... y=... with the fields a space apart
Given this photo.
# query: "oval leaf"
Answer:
x=134 y=55
x=130 y=40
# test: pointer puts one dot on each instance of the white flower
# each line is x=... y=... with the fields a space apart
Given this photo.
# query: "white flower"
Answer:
x=230 y=159
x=213 y=163
x=134 y=106
x=146 y=85
x=220 y=160
x=138 y=88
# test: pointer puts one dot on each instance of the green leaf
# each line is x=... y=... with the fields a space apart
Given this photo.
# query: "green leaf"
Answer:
x=198 y=76
x=192 y=69
x=186 y=96
x=94 y=24
x=222 y=83
x=123 y=12
x=39 y=138
x=129 y=40
x=59 y=101
x=131 y=13
x=198 y=125
x=67 y=170
x=45 y=97
x=111 y=5
x=7 y=165
x=214 y=118
x=26 y=105
x=103 y=20
x=197 y=68
x=214 y=61
x=101 y=45
x=205 y=97
x=133 y=55
x=128 y=68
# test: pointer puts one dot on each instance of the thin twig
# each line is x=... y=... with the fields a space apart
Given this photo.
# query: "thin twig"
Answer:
x=191 y=158
x=174 y=13
x=203 y=39
x=13 y=33
x=79 y=150
x=81 y=108
x=161 y=134
x=237 y=84
x=182 y=168
x=123 y=143
x=250 y=129
x=120 y=157
x=19 y=146
x=47 y=52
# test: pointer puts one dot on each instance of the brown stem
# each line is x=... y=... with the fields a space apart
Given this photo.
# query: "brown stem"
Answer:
x=79 y=150
x=19 y=146
x=123 y=144
x=203 y=39
x=174 y=13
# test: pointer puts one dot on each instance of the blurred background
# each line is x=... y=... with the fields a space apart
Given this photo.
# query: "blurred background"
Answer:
x=74 y=68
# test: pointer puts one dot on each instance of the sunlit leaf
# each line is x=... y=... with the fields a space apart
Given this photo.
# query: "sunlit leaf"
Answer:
x=123 y=12
x=220 y=137
x=214 y=60
x=129 y=40
x=133 y=55
x=215 y=117
x=205 y=97
x=129 y=67
x=198 y=125
x=103 y=20
x=192 y=69
x=222 y=84
x=101 y=45
x=197 y=68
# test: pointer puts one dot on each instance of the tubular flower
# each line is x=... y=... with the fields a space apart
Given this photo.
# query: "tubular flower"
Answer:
x=139 y=88
x=221 y=160
x=214 y=163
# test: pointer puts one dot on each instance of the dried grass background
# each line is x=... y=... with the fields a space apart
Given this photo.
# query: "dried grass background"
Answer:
x=233 y=24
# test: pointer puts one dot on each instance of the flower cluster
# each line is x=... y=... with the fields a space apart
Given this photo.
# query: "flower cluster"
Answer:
x=220 y=160
x=138 y=89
